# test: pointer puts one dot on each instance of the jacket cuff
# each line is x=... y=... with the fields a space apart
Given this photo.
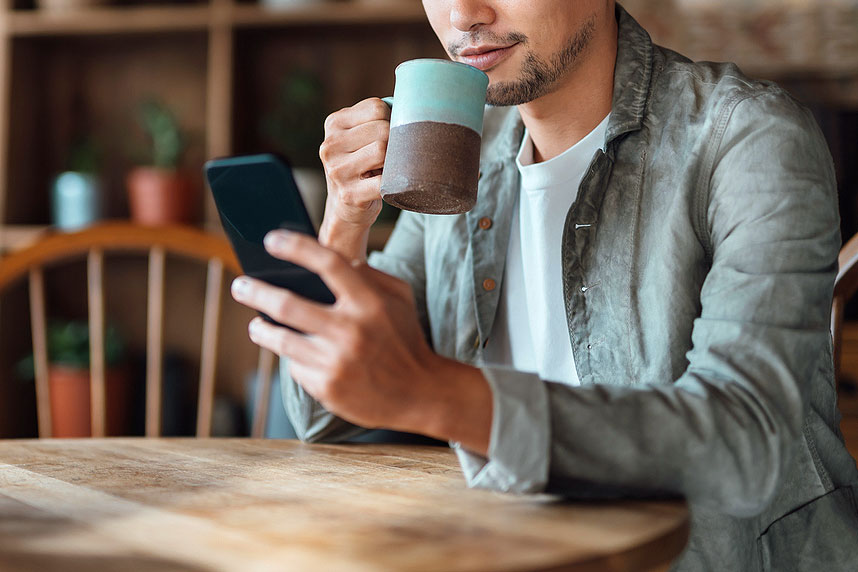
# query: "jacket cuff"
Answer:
x=518 y=456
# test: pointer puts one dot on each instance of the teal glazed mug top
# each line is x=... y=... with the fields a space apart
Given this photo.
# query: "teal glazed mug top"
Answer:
x=436 y=125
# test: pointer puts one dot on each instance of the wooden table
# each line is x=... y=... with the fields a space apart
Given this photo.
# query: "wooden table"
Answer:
x=248 y=505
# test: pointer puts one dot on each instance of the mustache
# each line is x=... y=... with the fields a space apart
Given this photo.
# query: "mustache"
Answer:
x=478 y=37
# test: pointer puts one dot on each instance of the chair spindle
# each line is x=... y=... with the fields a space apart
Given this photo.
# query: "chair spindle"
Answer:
x=38 y=327
x=154 y=341
x=95 y=291
x=211 y=318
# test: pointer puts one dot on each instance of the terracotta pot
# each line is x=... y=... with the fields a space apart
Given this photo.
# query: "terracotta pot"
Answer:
x=70 y=401
x=161 y=196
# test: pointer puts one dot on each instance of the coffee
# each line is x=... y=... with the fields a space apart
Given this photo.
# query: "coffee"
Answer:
x=425 y=177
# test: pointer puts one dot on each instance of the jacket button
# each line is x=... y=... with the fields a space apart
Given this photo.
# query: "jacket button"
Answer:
x=489 y=284
x=485 y=223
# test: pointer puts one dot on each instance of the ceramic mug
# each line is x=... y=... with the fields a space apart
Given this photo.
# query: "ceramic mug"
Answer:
x=436 y=124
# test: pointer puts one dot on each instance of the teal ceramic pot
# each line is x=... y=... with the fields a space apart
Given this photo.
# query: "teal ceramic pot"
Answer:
x=76 y=200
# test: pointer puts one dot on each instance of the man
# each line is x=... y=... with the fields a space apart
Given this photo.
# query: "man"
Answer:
x=643 y=288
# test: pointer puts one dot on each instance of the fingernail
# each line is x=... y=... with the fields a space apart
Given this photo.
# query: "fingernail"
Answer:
x=275 y=239
x=254 y=328
x=240 y=287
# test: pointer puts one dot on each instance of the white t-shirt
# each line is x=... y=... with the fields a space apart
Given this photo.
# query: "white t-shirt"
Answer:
x=530 y=331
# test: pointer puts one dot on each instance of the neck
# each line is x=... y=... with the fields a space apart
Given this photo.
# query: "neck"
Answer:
x=561 y=118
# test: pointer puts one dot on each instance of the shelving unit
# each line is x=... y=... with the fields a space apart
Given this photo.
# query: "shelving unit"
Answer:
x=218 y=65
x=215 y=63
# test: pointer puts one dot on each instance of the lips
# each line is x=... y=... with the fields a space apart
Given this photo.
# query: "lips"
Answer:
x=485 y=57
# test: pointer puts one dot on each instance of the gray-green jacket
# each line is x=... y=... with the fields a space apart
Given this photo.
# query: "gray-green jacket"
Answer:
x=698 y=267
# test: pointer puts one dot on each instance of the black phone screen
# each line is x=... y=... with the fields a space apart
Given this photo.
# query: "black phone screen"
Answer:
x=255 y=194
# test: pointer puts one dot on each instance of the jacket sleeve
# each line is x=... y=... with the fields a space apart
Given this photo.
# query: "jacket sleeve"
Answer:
x=721 y=434
x=402 y=257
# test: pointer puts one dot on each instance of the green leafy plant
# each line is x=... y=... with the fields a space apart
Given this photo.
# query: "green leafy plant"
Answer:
x=162 y=127
x=68 y=345
x=296 y=125
x=84 y=156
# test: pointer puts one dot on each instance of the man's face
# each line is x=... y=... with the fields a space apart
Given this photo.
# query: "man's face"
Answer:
x=527 y=47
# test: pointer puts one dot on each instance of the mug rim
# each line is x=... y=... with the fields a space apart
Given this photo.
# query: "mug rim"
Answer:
x=443 y=61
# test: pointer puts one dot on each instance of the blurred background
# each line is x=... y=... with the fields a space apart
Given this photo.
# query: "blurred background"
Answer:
x=104 y=103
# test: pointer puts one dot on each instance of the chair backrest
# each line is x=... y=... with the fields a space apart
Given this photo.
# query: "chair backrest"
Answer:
x=845 y=286
x=156 y=243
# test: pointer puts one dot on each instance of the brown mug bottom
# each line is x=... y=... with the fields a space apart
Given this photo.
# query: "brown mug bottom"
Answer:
x=430 y=198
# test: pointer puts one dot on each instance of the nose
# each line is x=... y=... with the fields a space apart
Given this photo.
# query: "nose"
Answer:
x=466 y=15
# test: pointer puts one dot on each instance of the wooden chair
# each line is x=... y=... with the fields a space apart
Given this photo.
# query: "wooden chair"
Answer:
x=156 y=243
x=845 y=286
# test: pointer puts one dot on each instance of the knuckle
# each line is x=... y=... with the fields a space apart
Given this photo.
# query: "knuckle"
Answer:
x=325 y=151
x=331 y=121
x=374 y=308
x=338 y=172
x=284 y=305
x=351 y=333
x=379 y=148
x=348 y=196
x=283 y=346
x=379 y=108
x=329 y=261
x=383 y=133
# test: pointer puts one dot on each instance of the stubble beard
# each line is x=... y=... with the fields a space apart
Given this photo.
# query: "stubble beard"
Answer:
x=538 y=77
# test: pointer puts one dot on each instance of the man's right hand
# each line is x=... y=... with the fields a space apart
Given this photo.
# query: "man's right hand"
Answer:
x=353 y=155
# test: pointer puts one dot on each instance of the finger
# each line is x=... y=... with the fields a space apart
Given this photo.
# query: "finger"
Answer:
x=345 y=166
x=304 y=250
x=371 y=156
x=286 y=343
x=364 y=134
x=281 y=304
x=371 y=109
x=361 y=193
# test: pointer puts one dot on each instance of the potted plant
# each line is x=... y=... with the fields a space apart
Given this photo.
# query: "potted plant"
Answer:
x=77 y=192
x=161 y=192
x=69 y=379
x=296 y=128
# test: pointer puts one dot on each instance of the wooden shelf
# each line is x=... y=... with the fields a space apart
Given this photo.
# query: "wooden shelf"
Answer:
x=355 y=12
x=131 y=19
x=182 y=18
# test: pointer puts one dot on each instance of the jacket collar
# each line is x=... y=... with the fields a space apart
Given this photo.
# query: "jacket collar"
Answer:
x=632 y=76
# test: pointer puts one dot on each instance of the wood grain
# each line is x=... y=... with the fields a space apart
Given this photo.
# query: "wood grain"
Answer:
x=185 y=504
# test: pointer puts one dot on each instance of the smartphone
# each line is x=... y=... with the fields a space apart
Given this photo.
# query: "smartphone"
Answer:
x=255 y=194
